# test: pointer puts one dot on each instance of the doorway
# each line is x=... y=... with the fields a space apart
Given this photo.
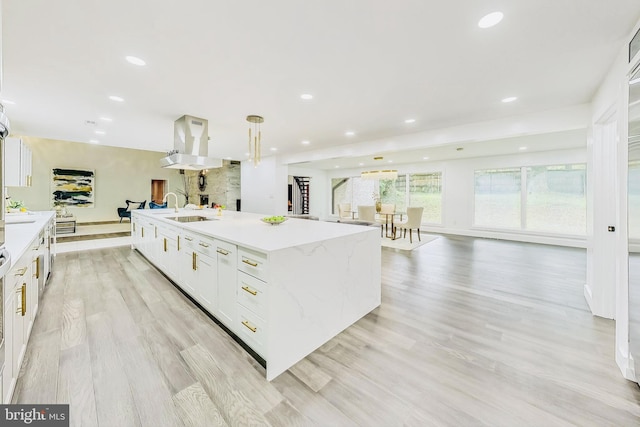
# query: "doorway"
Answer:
x=158 y=187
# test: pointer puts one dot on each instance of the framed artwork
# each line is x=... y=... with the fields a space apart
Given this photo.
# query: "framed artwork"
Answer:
x=73 y=188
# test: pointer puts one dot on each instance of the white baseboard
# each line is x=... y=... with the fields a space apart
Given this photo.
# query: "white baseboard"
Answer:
x=588 y=295
x=625 y=364
x=570 y=241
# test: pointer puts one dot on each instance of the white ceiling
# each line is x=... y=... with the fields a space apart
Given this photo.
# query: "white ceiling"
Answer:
x=370 y=64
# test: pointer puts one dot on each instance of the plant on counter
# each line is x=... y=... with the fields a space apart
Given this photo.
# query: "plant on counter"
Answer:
x=15 y=205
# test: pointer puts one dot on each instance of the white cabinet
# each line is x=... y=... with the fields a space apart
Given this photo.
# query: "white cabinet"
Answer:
x=17 y=163
x=226 y=263
x=169 y=240
x=7 y=374
x=252 y=293
x=198 y=270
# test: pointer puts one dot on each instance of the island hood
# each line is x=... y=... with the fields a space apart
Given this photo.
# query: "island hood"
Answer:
x=191 y=146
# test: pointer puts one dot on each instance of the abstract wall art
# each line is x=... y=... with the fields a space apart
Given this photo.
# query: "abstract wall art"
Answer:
x=73 y=188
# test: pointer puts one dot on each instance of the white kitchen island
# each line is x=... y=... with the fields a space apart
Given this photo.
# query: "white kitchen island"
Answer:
x=284 y=290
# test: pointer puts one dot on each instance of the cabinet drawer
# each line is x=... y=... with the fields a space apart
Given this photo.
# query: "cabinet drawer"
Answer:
x=205 y=246
x=252 y=294
x=253 y=263
x=251 y=329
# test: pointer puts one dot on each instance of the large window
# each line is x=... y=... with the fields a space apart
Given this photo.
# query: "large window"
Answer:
x=497 y=198
x=407 y=190
x=541 y=198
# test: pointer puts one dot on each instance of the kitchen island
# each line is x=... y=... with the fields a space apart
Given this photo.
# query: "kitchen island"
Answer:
x=283 y=290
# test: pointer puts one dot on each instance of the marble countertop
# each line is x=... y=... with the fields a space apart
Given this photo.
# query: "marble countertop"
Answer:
x=246 y=229
x=19 y=235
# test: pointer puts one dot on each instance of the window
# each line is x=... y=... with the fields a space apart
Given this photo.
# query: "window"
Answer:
x=556 y=199
x=425 y=190
x=407 y=190
x=540 y=198
x=497 y=198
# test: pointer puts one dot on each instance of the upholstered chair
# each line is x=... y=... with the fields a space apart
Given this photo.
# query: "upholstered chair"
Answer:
x=414 y=218
x=367 y=214
x=385 y=217
x=344 y=210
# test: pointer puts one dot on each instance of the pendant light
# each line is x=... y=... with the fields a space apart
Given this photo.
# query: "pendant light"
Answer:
x=254 y=143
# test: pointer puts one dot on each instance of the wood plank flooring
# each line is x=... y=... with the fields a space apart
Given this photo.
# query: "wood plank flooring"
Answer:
x=471 y=332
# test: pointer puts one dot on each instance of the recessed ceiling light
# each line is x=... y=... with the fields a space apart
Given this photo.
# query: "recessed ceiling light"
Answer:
x=305 y=142
x=523 y=148
x=390 y=161
x=490 y=20
x=247 y=154
x=116 y=98
x=306 y=96
x=509 y=99
x=350 y=133
x=100 y=132
x=336 y=166
x=135 y=61
x=410 y=121
x=425 y=158
x=106 y=119
x=8 y=102
x=94 y=141
x=274 y=149
x=360 y=164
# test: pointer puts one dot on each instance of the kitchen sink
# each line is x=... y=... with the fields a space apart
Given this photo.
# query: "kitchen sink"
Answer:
x=191 y=218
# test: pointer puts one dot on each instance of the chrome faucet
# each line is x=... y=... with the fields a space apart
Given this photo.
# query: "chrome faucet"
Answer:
x=175 y=205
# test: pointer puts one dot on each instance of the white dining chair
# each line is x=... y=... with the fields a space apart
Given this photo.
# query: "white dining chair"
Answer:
x=367 y=214
x=344 y=210
x=414 y=218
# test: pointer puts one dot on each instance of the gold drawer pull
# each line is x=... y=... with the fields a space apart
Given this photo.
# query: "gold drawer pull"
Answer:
x=21 y=271
x=222 y=251
x=156 y=231
x=188 y=238
x=24 y=299
x=178 y=242
x=165 y=244
x=251 y=263
x=204 y=245
x=248 y=326
x=248 y=289
x=194 y=263
x=142 y=229
x=37 y=268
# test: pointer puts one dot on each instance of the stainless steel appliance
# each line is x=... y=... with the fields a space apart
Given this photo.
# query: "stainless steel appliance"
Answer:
x=5 y=256
x=191 y=146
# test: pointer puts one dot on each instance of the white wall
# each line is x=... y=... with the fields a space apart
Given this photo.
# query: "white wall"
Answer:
x=458 y=191
x=120 y=174
x=264 y=188
x=319 y=190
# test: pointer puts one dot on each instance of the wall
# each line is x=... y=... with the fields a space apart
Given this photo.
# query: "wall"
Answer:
x=458 y=191
x=120 y=174
x=264 y=188
x=222 y=185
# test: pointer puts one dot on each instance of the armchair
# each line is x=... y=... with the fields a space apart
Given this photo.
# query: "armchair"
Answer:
x=126 y=212
x=154 y=205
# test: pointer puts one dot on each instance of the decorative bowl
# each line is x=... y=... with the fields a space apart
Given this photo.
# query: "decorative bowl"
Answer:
x=273 y=220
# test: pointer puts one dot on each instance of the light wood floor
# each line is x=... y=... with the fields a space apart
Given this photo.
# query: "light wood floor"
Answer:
x=470 y=332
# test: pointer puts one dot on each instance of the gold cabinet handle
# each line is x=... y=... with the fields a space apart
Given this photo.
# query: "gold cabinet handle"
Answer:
x=188 y=238
x=142 y=229
x=178 y=242
x=194 y=263
x=24 y=299
x=21 y=271
x=248 y=261
x=222 y=251
x=248 y=326
x=156 y=231
x=251 y=291
x=37 y=268
x=165 y=244
x=204 y=245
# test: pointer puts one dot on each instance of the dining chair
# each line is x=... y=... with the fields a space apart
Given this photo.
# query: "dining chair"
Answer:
x=386 y=217
x=344 y=210
x=414 y=218
x=367 y=213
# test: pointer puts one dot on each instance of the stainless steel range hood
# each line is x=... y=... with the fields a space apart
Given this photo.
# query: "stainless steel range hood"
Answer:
x=190 y=143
